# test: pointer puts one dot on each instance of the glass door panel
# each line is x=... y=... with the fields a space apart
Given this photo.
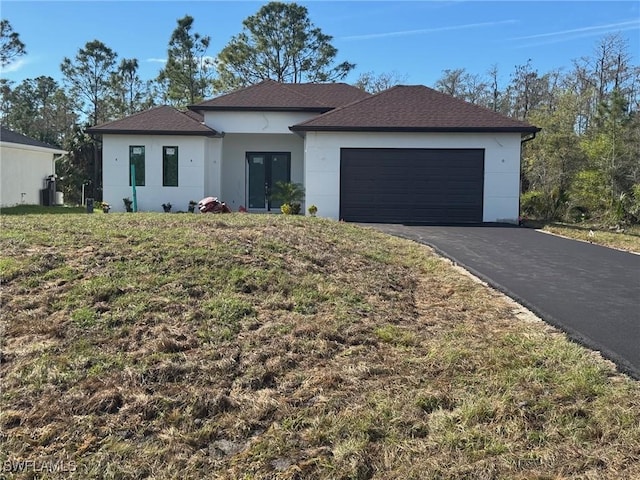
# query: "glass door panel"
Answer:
x=280 y=172
x=265 y=170
x=257 y=184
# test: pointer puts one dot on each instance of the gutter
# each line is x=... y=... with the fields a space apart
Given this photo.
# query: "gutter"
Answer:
x=191 y=133
x=396 y=129
x=33 y=148
x=528 y=139
x=522 y=142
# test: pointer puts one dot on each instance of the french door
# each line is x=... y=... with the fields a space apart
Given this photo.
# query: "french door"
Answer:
x=264 y=171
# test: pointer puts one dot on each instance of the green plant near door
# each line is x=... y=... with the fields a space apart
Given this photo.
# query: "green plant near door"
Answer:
x=290 y=195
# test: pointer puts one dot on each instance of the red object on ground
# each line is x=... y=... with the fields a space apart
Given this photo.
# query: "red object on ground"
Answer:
x=212 y=205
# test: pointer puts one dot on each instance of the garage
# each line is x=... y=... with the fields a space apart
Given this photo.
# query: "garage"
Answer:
x=417 y=186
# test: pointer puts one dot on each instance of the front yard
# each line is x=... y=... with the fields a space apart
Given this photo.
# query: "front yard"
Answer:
x=255 y=346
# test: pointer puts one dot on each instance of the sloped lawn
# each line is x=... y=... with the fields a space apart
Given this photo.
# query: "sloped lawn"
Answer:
x=254 y=347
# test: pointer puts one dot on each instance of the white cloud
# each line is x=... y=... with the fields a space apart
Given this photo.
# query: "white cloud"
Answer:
x=206 y=59
x=209 y=60
x=14 y=66
x=563 y=35
x=424 y=31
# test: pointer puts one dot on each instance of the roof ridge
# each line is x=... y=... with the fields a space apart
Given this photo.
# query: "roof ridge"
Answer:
x=161 y=118
x=232 y=92
x=342 y=107
x=413 y=108
x=299 y=94
x=157 y=107
x=186 y=114
x=26 y=139
x=473 y=105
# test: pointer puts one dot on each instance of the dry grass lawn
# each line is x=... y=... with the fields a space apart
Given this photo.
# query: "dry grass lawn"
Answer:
x=172 y=346
x=627 y=238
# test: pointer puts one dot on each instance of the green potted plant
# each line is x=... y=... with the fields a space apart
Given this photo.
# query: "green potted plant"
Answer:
x=167 y=207
x=312 y=210
x=192 y=206
x=128 y=204
x=290 y=195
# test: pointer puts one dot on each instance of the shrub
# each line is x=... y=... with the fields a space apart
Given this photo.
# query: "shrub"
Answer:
x=634 y=203
x=588 y=192
x=285 y=208
x=288 y=192
x=290 y=195
x=532 y=204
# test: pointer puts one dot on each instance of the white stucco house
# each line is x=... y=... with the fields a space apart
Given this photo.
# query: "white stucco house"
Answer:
x=409 y=154
x=26 y=165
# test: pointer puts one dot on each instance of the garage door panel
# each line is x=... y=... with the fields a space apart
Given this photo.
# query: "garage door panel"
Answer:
x=412 y=185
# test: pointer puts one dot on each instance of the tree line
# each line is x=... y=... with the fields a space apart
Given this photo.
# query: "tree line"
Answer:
x=583 y=165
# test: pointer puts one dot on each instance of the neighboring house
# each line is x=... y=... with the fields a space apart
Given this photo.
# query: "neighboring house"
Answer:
x=408 y=154
x=27 y=167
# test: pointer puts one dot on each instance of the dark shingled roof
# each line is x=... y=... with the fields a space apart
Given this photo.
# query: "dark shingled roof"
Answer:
x=269 y=95
x=413 y=109
x=10 y=136
x=163 y=120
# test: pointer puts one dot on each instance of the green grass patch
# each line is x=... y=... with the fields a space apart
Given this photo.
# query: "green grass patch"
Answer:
x=41 y=210
x=623 y=238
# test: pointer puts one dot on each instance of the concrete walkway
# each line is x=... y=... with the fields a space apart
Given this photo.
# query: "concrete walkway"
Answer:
x=590 y=292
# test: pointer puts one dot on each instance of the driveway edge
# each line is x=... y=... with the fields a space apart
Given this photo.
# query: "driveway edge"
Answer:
x=583 y=340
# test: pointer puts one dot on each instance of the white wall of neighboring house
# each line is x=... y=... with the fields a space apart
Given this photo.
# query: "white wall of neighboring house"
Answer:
x=501 y=166
x=23 y=170
x=234 y=163
x=194 y=180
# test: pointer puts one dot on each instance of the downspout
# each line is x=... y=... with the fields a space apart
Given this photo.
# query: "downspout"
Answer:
x=522 y=142
x=525 y=140
x=56 y=157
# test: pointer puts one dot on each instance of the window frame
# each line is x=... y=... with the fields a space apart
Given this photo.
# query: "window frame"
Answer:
x=138 y=160
x=166 y=166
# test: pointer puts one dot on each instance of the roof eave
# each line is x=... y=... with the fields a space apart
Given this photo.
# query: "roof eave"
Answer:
x=99 y=131
x=197 y=108
x=33 y=148
x=315 y=128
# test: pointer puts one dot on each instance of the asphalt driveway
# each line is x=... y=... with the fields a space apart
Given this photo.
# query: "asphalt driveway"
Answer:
x=590 y=292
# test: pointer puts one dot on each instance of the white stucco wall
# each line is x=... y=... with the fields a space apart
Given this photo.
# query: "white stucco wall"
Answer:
x=23 y=170
x=212 y=168
x=255 y=122
x=194 y=180
x=234 y=164
x=501 y=166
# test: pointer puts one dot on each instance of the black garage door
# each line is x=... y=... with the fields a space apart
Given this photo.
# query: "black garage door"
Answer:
x=411 y=185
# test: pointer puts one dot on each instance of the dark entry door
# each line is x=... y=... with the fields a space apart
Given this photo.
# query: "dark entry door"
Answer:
x=265 y=170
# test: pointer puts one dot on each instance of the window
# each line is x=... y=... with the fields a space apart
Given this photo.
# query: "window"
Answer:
x=169 y=166
x=136 y=158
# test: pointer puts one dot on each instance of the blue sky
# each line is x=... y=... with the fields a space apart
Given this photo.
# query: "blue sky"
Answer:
x=416 y=39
